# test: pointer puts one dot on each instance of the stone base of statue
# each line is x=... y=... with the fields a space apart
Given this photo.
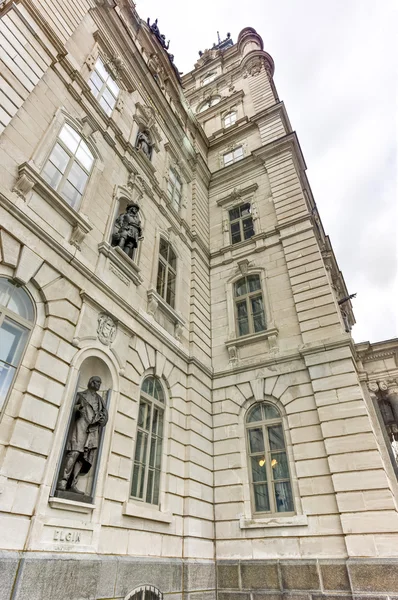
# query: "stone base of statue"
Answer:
x=77 y=497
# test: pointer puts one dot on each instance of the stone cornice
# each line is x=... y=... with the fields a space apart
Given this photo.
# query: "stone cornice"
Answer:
x=230 y=173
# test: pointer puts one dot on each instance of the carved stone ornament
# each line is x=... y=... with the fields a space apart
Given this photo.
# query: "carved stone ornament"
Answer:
x=373 y=387
x=232 y=354
x=83 y=440
x=106 y=329
x=114 y=65
x=178 y=330
x=23 y=185
x=144 y=143
x=77 y=236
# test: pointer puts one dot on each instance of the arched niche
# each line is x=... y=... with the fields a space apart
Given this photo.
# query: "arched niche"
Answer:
x=123 y=198
x=79 y=460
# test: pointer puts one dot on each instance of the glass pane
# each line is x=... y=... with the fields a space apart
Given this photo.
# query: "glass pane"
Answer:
x=245 y=210
x=71 y=194
x=248 y=230
x=136 y=478
x=99 y=66
x=149 y=486
x=77 y=177
x=163 y=248
x=261 y=499
x=172 y=258
x=158 y=391
x=160 y=424
x=51 y=175
x=243 y=327
x=235 y=238
x=6 y=376
x=259 y=323
x=109 y=98
x=279 y=464
x=284 y=497
x=170 y=189
x=241 y=309
x=84 y=155
x=238 y=153
x=228 y=158
x=16 y=299
x=107 y=108
x=158 y=458
x=141 y=414
x=155 y=499
x=234 y=214
x=161 y=279
x=257 y=305
x=275 y=435
x=152 y=452
x=70 y=137
x=240 y=287
x=113 y=87
x=95 y=84
x=59 y=157
x=256 y=440
x=13 y=339
x=270 y=412
x=171 y=286
x=255 y=414
x=254 y=283
x=235 y=231
x=258 y=468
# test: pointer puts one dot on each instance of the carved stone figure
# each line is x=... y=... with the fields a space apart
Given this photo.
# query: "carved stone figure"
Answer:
x=106 y=329
x=82 y=446
x=127 y=230
x=144 y=143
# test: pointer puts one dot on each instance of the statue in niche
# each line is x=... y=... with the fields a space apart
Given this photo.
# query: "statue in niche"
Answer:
x=127 y=231
x=144 y=143
x=90 y=417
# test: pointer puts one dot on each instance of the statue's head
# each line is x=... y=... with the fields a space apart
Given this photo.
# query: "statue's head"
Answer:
x=94 y=383
x=133 y=208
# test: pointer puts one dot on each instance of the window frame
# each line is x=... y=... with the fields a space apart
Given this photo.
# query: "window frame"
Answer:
x=104 y=86
x=208 y=78
x=247 y=298
x=71 y=161
x=265 y=424
x=168 y=269
x=174 y=192
x=240 y=220
x=209 y=103
x=149 y=400
x=235 y=159
x=27 y=325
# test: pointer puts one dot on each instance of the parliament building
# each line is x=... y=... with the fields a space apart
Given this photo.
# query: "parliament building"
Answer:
x=184 y=414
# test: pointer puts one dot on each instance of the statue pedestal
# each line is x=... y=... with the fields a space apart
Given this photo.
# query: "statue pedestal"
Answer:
x=68 y=495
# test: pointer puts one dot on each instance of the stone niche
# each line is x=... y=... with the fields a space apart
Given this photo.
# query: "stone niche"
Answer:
x=84 y=433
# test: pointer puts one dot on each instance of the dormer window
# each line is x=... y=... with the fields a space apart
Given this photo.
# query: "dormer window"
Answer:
x=103 y=87
x=209 y=103
x=208 y=78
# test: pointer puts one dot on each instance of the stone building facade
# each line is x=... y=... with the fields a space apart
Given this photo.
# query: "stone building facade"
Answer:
x=174 y=324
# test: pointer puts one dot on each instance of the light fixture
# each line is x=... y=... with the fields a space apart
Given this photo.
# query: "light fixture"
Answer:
x=261 y=462
x=274 y=462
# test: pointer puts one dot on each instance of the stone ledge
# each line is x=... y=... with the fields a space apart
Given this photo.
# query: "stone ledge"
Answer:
x=277 y=521
x=141 y=511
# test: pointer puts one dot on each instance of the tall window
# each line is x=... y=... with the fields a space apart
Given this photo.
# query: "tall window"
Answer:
x=16 y=321
x=230 y=119
x=208 y=78
x=241 y=223
x=69 y=166
x=148 y=446
x=249 y=306
x=209 y=103
x=166 y=281
x=233 y=156
x=174 y=189
x=104 y=87
x=268 y=464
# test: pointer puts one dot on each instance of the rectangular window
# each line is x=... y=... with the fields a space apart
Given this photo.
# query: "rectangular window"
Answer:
x=234 y=156
x=166 y=279
x=103 y=87
x=174 y=190
x=249 y=306
x=230 y=119
x=241 y=223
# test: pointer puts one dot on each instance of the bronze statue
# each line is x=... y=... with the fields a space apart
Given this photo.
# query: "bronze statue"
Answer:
x=82 y=446
x=144 y=143
x=127 y=230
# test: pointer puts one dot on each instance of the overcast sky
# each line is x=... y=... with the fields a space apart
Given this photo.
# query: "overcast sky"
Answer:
x=335 y=69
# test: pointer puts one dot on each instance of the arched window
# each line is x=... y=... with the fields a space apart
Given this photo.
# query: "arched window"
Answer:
x=145 y=592
x=148 y=446
x=166 y=280
x=270 y=484
x=230 y=119
x=69 y=166
x=16 y=321
x=249 y=305
x=209 y=103
x=103 y=87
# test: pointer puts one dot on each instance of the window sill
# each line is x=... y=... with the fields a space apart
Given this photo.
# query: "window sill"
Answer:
x=275 y=521
x=121 y=261
x=71 y=505
x=156 y=302
x=251 y=338
x=29 y=179
x=140 y=510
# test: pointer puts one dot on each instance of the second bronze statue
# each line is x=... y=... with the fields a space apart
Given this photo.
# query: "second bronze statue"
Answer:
x=127 y=230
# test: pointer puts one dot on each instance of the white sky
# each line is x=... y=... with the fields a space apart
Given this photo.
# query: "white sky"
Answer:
x=335 y=69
